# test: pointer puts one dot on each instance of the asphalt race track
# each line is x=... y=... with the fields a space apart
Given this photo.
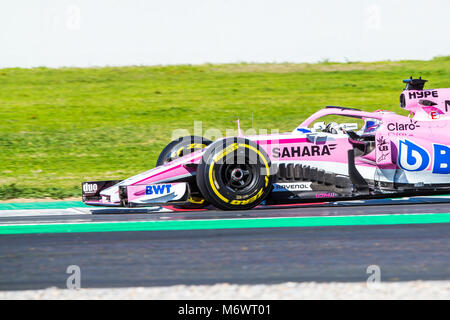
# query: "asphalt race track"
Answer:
x=408 y=240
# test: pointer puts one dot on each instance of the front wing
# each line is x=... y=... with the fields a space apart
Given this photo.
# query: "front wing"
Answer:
x=136 y=195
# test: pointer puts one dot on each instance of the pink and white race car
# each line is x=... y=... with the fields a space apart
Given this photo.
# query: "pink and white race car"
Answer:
x=390 y=156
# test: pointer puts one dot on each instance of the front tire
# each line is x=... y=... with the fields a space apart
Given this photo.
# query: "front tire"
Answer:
x=234 y=174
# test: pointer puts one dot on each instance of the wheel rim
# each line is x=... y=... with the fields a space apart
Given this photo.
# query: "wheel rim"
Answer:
x=238 y=177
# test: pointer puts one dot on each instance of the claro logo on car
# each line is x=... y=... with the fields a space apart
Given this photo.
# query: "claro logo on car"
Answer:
x=403 y=126
x=303 y=151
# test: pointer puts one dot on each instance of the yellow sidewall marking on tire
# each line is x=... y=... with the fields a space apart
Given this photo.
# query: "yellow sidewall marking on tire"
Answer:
x=252 y=199
x=259 y=153
x=192 y=147
x=179 y=151
x=226 y=151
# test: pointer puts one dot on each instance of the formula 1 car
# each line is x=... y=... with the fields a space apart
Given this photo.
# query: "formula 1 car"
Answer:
x=390 y=156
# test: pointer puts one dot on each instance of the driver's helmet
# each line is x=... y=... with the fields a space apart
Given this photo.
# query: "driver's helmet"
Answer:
x=370 y=125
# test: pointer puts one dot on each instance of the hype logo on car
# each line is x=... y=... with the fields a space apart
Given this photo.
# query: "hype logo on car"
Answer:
x=412 y=157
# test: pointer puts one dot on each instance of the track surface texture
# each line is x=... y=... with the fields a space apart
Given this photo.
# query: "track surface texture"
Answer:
x=242 y=256
x=112 y=214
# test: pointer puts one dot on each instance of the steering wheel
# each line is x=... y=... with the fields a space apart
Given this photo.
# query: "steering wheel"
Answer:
x=331 y=128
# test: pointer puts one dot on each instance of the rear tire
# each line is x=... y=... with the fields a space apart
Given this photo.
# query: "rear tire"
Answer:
x=234 y=174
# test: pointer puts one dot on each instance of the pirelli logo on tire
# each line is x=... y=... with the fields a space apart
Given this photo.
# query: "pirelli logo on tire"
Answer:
x=251 y=200
x=225 y=151
x=191 y=147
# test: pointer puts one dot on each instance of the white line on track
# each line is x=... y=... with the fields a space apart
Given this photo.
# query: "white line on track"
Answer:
x=39 y=212
x=72 y=211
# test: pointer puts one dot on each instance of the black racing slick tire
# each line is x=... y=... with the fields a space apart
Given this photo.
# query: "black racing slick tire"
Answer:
x=234 y=174
x=181 y=147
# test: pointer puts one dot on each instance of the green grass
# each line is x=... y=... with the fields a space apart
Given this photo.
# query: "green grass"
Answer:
x=59 y=127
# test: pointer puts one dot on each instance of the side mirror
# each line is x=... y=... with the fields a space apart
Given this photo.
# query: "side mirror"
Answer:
x=427 y=103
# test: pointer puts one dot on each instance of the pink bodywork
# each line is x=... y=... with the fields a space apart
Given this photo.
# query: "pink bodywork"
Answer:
x=424 y=130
